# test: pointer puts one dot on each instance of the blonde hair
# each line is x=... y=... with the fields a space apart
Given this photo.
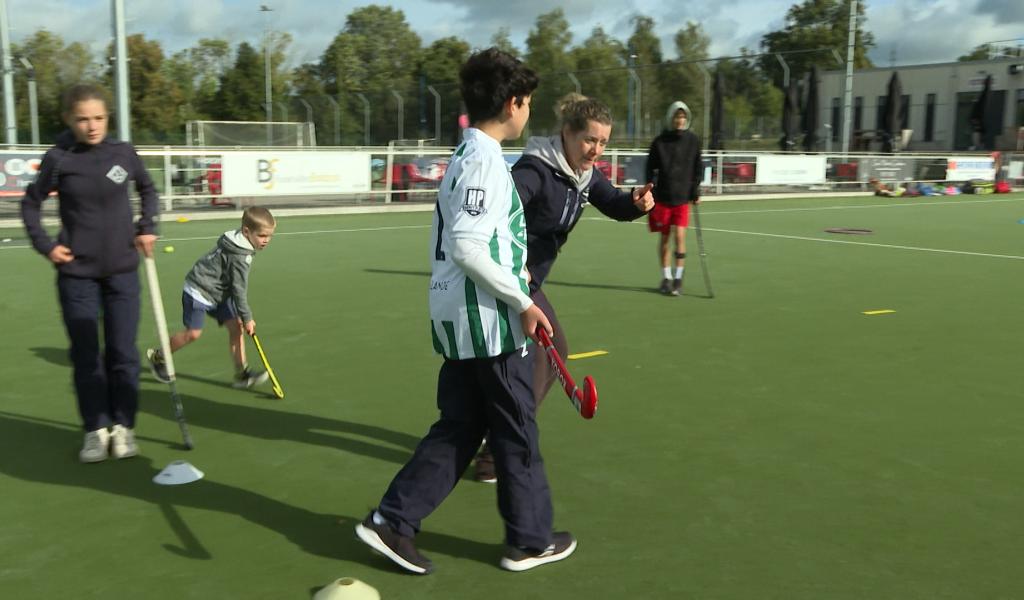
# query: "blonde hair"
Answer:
x=576 y=110
x=257 y=218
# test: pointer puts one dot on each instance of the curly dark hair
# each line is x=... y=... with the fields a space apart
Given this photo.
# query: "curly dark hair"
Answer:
x=489 y=78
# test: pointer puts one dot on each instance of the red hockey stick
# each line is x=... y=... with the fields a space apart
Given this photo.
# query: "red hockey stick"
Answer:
x=585 y=401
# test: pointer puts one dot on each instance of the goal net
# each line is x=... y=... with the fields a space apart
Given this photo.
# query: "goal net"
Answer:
x=249 y=133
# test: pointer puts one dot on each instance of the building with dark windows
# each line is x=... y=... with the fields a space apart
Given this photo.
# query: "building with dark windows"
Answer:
x=936 y=104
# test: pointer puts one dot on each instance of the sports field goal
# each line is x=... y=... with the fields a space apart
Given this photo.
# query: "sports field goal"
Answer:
x=250 y=133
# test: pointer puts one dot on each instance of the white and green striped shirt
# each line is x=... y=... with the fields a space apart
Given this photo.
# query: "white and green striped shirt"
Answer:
x=478 y=202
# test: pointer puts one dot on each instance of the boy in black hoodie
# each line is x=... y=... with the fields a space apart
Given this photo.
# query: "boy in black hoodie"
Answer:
x=96 y=256
x=675 y=167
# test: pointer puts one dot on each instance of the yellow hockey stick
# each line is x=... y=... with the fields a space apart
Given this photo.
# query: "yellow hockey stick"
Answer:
x=278 y=390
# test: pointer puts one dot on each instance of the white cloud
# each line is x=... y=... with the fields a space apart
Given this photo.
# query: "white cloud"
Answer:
x=918 y=30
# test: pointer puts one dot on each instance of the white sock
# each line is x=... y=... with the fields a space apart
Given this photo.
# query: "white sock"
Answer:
x=679 y=272
x=378 y=519
x=667 y=272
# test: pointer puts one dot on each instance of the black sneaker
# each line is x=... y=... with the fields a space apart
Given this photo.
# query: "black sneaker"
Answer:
x=665 y=287
x=677 y=287
x=157 y=366
x=390 y=543
x=522 y=559
x=484 y=466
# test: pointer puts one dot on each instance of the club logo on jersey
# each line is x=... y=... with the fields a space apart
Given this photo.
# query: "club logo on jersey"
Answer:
x=474 y=202
x=117 y=174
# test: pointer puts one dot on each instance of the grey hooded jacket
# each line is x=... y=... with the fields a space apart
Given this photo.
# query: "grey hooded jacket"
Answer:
x=223 y=272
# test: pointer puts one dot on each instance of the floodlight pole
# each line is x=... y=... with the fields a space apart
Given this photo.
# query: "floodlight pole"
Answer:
x=309 y=109
x=33 y=104
x=267 y=75
x=707 y=100
x=848 y=89
x=785 y=71
x=401 y=114
x=366 y=118
x=10 y=125
x=124 y=111
x=437 y=113
x=575 y=82
x=337 y=119
x=634 y=103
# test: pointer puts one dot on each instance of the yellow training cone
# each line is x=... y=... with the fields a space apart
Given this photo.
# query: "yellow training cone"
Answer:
x=347 y=588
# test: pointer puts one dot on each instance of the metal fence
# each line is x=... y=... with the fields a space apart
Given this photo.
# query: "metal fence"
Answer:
x=193 y=180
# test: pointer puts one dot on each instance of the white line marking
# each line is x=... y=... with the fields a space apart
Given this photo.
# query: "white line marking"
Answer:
x=858 y=206
x=356 y=230
x=852 y=243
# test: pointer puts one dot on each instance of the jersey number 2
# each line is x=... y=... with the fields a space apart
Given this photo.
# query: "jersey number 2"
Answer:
x=438 y=253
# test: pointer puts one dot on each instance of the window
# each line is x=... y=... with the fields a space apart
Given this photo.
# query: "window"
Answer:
x=858 y=113
x=1020 y=108
x=880 y=116
x=835 y=119
x=905 y=111
x=929 y=118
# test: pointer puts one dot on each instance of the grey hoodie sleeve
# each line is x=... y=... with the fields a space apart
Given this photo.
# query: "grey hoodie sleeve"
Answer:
x=240 y=285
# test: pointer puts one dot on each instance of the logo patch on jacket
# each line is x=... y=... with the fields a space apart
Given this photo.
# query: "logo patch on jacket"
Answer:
x=474 y=202
x=117 y=174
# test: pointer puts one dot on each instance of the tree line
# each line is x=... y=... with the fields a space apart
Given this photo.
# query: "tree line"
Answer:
x=376 y=60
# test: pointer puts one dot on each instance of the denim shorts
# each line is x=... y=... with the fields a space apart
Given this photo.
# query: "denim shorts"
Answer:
x=193 y=313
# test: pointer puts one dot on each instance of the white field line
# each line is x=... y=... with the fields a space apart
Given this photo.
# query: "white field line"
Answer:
x=315 y=232
x=852 y=243
x=859 y=206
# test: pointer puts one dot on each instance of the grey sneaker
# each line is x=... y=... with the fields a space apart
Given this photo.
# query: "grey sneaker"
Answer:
x=399 y=548
x=677 y=287
x=665 y=287
x=157 y=366
x=247 y=379
x=522 y=559
x=122 y=442
x=95 y=447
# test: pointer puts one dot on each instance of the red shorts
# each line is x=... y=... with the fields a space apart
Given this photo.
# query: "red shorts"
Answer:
x=663 y=216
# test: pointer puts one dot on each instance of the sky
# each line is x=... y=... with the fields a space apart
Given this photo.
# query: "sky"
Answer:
x=906 y=31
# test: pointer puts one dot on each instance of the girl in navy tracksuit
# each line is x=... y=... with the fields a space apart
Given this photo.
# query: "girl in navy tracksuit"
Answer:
x=96 y=256
x=556 y=179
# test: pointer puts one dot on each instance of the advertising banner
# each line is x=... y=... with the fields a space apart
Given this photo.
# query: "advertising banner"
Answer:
x=790 y=170
x=17 y=170
x=965 y=168
x=886 y=169
x=270 y=173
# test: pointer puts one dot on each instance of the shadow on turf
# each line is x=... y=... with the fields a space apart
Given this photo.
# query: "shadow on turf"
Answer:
x=53 y=447
x=57 y=356
x=270 y=424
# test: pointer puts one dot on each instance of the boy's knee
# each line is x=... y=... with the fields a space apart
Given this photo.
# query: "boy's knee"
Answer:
x=194 y=334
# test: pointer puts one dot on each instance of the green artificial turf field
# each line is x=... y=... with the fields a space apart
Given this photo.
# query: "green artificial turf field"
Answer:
x=771 y=442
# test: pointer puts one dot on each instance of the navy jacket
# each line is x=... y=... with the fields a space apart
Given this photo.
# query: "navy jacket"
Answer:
x=553 y=206
x=95 y=206
x=675 y=166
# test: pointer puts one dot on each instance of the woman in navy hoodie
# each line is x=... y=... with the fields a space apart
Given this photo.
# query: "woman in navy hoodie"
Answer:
x=96 y=257
x=556 y=179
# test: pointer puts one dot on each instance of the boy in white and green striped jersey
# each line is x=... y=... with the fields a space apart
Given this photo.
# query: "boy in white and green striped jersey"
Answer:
x=481 y=316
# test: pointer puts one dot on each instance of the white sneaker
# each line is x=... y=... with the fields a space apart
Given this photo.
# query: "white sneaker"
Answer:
x=122 y=442
x=95 y=447
x=248 y=379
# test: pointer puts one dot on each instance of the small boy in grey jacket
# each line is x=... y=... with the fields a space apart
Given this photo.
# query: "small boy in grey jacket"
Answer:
x=218 y=285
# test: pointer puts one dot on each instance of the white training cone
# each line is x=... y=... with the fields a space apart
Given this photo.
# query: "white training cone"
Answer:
x=177 y=473
x=347 y=588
